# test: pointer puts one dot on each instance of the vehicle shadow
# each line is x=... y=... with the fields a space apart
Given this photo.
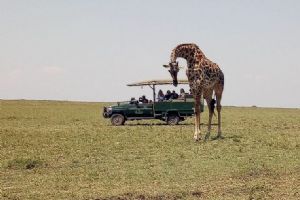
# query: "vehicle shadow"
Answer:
x=163 y=124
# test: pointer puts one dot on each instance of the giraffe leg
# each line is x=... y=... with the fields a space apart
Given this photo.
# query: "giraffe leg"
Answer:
x=219 y=107
x=197 y=135
x=208 y=99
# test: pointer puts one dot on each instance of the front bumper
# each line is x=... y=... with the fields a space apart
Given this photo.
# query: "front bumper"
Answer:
x=106 y=112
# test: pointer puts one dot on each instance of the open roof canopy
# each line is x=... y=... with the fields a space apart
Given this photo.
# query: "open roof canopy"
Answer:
x=158 y=82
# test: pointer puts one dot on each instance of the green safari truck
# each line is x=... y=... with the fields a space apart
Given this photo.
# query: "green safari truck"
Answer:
x=171 y=111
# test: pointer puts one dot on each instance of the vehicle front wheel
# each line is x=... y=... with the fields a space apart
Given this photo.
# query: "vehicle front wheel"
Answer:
x=172 y=120
x=117 y=119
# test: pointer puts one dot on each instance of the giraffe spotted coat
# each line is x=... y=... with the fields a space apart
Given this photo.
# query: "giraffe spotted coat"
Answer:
x=204 y=76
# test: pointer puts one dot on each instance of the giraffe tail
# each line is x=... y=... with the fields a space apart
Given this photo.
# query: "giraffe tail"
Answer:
x=212 y=106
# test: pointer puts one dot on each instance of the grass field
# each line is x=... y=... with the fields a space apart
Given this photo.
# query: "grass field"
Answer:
x=66 y=150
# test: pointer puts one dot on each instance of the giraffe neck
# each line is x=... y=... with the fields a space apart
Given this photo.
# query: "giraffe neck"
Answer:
x=190 y=52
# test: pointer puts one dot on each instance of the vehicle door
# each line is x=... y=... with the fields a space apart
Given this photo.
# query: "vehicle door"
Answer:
x=140 y=110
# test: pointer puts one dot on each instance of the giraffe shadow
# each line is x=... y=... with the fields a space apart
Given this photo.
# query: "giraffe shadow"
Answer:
x=235 y=138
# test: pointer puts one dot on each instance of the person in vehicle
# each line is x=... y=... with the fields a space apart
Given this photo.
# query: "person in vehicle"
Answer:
x=182 y=94
x=160 y=96
x=133 y=101
x=168 y=95
x=174 y=95
x=143 y=99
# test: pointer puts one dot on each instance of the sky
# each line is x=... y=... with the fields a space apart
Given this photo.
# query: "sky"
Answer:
x=82 y=50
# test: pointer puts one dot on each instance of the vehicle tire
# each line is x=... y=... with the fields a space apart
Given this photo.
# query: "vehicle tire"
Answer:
x=117 y=119
x=172 y=120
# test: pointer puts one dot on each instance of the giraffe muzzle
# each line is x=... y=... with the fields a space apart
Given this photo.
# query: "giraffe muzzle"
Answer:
x=175 y=83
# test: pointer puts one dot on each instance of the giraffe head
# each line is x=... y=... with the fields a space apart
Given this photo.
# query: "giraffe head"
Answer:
x=173 y=69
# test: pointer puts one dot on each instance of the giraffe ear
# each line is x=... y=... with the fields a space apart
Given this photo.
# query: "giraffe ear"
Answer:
x=166 y=66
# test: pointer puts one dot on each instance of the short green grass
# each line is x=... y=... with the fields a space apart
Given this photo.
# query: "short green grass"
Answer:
x=66 y=150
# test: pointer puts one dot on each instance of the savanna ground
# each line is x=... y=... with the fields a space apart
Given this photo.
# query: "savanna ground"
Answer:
x=66 y=150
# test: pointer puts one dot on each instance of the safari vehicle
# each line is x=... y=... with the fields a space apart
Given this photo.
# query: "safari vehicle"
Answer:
x=171 y=111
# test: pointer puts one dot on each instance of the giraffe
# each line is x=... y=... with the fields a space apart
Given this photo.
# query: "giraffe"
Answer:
x=205 y=77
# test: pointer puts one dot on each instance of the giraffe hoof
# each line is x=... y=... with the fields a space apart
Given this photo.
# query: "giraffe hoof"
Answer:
x=218 y=137
x=206 y=137
x=197 y=138
x=221 y=137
